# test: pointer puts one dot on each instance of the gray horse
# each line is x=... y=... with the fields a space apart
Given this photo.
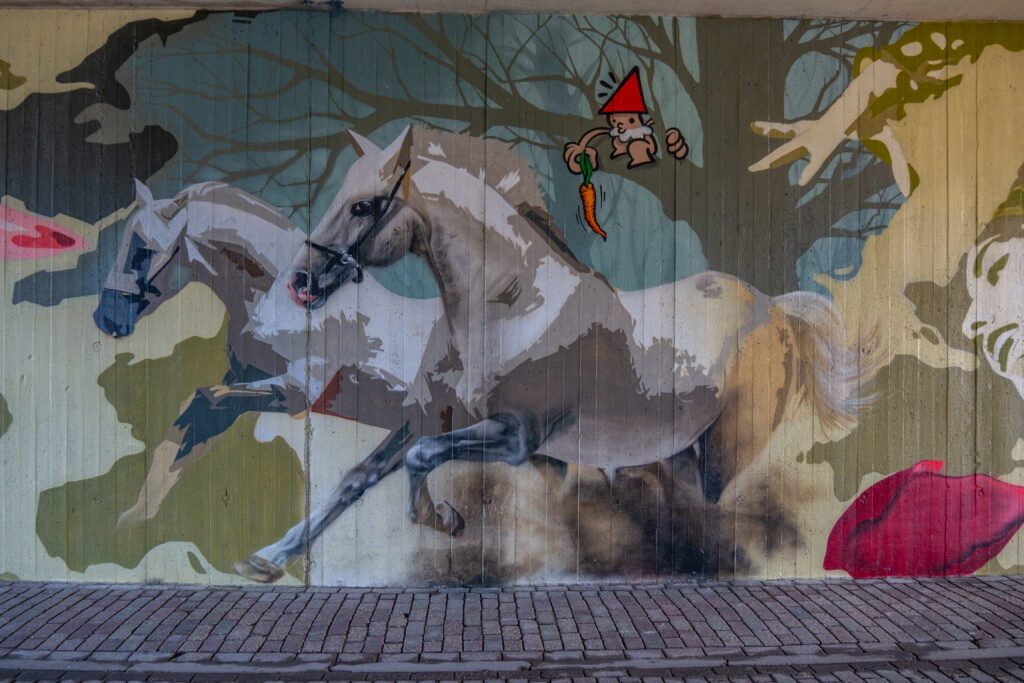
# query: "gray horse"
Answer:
x=281 y=356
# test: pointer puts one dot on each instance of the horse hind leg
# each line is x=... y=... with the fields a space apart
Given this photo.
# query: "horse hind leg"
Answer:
x=756 y=394
x=697 y=465
x=500 y=438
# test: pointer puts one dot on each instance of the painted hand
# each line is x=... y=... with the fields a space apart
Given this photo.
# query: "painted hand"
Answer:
x=572 y=153
x=676 y=143
x=849 y=118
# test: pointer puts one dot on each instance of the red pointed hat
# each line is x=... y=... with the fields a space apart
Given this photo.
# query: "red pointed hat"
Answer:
x=628 y=98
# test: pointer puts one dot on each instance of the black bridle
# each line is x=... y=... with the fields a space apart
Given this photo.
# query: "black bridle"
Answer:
x=345 y=256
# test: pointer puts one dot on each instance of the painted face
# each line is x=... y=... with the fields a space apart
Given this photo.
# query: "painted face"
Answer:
x=995 y=282
x=624 y=122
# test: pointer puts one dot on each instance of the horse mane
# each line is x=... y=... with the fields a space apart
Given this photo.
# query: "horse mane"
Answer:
x=504 y=170
x=218 y=192
x=247 y=245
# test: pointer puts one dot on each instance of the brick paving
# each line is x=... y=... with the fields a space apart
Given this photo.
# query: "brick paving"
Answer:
x=969 y=628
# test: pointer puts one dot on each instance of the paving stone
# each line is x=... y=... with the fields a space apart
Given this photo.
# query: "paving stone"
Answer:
x=968 y=627
x=273 y=657
x=232 y=657
x=439 y=657
x=481 y=656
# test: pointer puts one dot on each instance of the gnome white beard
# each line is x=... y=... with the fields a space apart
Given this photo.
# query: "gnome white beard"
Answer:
x=638 y=133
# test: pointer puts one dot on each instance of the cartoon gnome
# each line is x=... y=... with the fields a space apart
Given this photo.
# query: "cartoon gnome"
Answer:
x=630 y=133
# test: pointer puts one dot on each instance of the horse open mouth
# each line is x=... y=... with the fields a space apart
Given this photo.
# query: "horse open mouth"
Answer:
x=303 y=297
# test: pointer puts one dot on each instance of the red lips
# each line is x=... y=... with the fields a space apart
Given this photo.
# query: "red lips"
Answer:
x=921 y=523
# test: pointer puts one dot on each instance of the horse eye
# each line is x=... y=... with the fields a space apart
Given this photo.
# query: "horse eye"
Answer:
x=363 y=208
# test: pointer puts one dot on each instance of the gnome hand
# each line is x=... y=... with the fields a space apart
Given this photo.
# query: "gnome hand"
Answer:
x=676 y=143
x=573 y=150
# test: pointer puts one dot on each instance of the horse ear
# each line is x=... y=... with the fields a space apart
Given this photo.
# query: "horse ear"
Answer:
x=143 y=195
x=171 y=208
x=398 y=153
x=360 y=144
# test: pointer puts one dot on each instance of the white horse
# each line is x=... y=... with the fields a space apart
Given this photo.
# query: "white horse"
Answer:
x=281 y=356
x=553 y=359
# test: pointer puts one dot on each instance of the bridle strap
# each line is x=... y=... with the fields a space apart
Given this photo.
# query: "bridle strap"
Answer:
x=339 y=256
x=141 y=282
x=375 y=226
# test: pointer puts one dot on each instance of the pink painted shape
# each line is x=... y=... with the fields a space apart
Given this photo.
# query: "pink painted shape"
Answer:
x=24 y=236
x=921 y=523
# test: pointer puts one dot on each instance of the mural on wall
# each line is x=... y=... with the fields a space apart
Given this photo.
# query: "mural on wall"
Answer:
x=331 y=297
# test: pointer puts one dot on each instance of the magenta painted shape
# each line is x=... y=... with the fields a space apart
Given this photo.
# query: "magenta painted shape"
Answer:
x=24 y=236
x=921 y=523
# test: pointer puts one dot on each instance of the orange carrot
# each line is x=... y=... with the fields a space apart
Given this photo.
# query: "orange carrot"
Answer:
x=589 y=197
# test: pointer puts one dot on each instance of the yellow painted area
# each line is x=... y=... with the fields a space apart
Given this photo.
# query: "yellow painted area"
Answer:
x=36 y=46
x=967 y=156
x=62 y=427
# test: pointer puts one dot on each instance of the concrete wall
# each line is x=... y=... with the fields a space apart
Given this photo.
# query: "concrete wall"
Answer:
x=776 y=333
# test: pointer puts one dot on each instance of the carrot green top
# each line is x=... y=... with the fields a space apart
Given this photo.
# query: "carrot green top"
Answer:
x=588 y=170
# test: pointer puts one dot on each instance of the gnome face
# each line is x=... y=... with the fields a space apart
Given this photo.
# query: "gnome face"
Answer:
x=628 y=126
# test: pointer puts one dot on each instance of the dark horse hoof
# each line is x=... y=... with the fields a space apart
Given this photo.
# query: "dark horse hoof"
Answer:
x=258 y=569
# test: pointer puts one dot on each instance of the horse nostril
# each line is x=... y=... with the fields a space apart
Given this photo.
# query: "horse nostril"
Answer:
x=300 y=280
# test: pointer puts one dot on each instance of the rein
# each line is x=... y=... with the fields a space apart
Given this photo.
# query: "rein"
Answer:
x=166 y=263
x=346 y=255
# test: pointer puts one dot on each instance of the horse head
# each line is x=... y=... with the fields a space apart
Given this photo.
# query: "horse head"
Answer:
x=370 y=222
x=139 y=280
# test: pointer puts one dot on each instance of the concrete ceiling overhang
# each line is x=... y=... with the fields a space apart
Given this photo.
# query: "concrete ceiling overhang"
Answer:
x=913 y=10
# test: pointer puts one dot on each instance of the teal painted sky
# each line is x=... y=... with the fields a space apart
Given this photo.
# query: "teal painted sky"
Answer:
x=261 y=102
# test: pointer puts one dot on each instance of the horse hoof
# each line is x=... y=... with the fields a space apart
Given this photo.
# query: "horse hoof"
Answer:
x=258 y=569
x=450 y=519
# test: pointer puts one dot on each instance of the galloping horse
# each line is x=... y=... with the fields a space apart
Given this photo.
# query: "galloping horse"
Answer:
x=280 y=356
x=554 y=359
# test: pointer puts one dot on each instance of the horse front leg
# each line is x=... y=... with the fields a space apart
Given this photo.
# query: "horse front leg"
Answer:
x=267 y=564
x=207 y=414
x=500 y=438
